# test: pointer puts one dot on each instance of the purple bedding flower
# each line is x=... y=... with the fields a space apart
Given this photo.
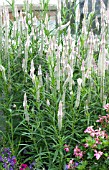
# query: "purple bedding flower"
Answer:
x=8 y=161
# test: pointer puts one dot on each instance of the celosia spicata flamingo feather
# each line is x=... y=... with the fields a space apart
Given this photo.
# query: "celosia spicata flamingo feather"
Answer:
x=77 y=102
x=60 y=115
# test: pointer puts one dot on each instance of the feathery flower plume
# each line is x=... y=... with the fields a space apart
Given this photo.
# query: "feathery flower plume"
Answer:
x=38 y=83
x=63 y=98
x=59 y=12
x=97 y=23
x=77 y=19
x=32 y=69
x=69 y=37
x=85 y=9
x=104 y=100
x=46 y=21
x=2 y=69
x=84 y=27
x=62 y=27
x=40 y=76
x=102 y=66
x=47 y=81
x=79 y=81
x=23 y=64
x=48 y=102
x=60 y=115
x=93 y=5
x=25 y=108
x=90 y=51
x=69 y=78
x=83 y=73
x=1 y=23
x=42 y=39
x=26 y=52
x=6 y=24
x=58 y=70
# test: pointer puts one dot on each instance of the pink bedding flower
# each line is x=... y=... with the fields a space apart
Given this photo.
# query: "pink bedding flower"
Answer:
x=86 y=145
x=78 y=152
x=98 y=154
x=95 y=133
x=66 y=148
x=71 y=162
x=89 y=130
x=106 y=107
x=97 y=141
x=23 y=167
x=103 y=119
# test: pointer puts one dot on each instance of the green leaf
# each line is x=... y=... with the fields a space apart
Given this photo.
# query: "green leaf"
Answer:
x=90 y=155
x=82 y=166
x=55 y=155
x=99 y=147
x=105 y=143
x=106 y=154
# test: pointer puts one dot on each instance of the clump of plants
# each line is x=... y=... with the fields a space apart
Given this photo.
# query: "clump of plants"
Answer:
x=53 y=86
x=92 y=152
x=7 y=160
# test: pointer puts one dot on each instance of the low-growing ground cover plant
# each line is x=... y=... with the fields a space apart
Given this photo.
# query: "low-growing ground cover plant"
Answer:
x=53 y=86
x=93 y=151
x=9 y=162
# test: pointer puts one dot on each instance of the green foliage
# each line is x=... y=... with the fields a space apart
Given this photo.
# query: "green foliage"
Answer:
x=82 y=166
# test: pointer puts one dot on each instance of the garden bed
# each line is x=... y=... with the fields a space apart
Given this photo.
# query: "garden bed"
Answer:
x=54 y=88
